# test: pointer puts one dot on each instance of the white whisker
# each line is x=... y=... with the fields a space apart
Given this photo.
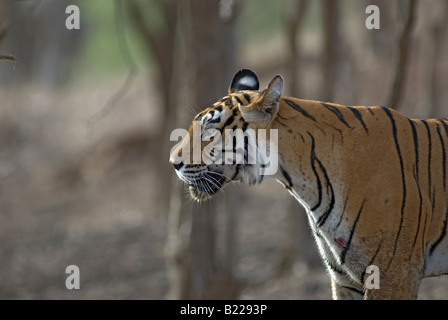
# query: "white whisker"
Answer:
x=208 y=178
x=222 y=175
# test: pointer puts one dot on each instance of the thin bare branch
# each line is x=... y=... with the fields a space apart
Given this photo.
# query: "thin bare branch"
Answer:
x=294 y=24
x=331 y=31
x=10 y=57
x=129 y=60
x=403 y=56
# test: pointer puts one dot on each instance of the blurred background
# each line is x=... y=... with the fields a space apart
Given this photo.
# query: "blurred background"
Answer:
x=85 y=117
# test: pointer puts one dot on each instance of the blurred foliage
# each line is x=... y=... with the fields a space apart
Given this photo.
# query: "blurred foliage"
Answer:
x=263 y=19
x=100 y=55
x=259 y=20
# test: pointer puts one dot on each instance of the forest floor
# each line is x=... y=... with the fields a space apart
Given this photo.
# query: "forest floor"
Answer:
x=72 y=194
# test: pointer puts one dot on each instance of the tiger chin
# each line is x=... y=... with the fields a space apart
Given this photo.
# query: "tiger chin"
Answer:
x=374 y=183
x=203 y=189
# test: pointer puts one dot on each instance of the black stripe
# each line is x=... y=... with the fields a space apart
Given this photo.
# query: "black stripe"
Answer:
x=334 y=267
x=336 y=129
x=359 y=116
x=296 y=107
x=234 y=146
x=239 y=100
x=247 y=97
x=442 y=143
x=317 y=234
x=246 y=149
x=326 y=214
x=433 y=200
x=217 y=120
x=229 y=121
x=415 y=137
x=445 y=126
x=363 y=274
x=313 y=167
x=429 y=156
x=236 y=172
x=417 y=181
x=442 y=235
x=419 y=210
x=337 y=112
x=342 y=214
x=323 y=218
x=218 y=108
x=287 y=177
x=352 y=231
x=403 y=179
x=353 y=289
x=424 y=243
x=283 y=124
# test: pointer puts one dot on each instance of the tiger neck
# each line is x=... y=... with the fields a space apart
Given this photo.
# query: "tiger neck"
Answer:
x=305 y=147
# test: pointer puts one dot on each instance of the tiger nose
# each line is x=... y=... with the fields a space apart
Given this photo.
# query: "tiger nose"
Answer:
x=176 y=166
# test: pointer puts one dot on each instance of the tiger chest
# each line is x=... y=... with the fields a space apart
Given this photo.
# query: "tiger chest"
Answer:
x=342 y=256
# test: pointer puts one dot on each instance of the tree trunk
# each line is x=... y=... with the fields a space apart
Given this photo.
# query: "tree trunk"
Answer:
x=403 y=56
x=330 y=16
x=163 y=46
x=433 y=42
x=294 y=25
x=197 y=269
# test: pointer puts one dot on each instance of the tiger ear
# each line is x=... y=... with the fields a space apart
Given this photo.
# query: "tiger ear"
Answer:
x=273 y=92
x=266 y=107
x=244 y=79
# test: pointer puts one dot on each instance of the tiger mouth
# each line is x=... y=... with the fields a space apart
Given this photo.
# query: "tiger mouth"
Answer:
x=205 y=187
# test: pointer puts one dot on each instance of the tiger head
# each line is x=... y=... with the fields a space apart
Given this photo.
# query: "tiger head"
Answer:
x=224 y=141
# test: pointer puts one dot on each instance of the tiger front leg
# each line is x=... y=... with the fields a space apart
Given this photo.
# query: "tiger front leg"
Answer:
x=399 y=281
x=396 y=284
x=399 y=274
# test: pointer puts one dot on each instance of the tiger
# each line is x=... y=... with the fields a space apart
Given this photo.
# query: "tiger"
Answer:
x=373 y=182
